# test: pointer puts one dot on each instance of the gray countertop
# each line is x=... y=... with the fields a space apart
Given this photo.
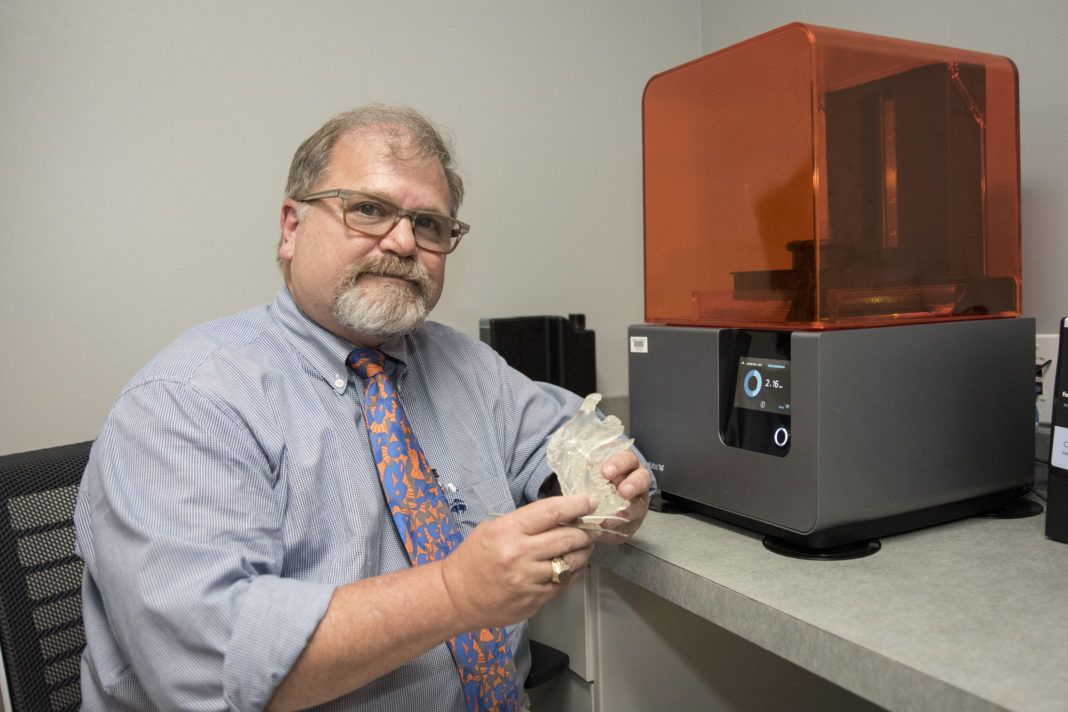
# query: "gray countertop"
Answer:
x=969 y=615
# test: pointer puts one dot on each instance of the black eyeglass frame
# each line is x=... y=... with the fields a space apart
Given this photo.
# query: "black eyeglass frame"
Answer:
x=459 y=227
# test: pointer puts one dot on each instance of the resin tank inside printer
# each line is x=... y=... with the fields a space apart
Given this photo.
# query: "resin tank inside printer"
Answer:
x=833 y=348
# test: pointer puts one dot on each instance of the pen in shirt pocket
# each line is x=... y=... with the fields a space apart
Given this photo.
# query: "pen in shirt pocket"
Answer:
x=448 y=490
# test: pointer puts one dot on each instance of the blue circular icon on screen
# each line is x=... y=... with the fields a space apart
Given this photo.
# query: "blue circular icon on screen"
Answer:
x=753 y=381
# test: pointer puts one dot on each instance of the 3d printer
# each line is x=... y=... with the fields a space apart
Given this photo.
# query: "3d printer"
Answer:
x=833 y=348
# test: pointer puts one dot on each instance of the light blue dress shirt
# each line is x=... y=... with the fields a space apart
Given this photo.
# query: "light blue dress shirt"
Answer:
x=232 y=489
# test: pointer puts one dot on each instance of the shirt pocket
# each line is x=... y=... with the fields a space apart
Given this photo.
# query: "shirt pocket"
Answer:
x=469 y=472
x=472 y=504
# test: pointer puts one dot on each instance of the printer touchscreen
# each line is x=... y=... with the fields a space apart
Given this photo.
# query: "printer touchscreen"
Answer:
x=763 y=384
x=755 y=390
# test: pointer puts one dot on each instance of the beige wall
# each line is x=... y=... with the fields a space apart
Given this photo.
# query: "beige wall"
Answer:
x=144 y=148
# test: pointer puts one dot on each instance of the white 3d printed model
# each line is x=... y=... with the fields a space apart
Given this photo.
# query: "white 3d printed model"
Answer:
x=578 y=450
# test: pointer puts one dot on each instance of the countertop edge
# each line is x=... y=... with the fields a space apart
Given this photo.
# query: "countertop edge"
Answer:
x=867 y=673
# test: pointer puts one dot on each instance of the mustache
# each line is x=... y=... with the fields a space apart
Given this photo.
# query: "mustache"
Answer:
x=388 y=265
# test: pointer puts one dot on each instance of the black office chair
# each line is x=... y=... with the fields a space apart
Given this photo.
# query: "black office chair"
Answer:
x=41 y=633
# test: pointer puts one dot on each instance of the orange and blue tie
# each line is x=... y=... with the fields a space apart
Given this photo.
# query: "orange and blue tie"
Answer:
x=421 y=515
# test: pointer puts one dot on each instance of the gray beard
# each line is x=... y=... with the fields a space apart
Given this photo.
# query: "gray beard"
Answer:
x=383 y=310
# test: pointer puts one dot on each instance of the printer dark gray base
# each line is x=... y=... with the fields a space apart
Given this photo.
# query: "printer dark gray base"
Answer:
x=888 y=429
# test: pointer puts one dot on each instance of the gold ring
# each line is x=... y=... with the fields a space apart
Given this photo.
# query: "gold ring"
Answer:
x=561 y=570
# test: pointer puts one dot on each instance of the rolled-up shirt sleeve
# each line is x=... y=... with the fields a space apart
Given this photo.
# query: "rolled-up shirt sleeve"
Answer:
x=181 y=511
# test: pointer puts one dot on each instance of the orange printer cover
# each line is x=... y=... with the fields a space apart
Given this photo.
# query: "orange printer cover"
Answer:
x=812 y=178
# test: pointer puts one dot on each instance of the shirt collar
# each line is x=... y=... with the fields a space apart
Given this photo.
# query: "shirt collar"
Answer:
x=325 y=351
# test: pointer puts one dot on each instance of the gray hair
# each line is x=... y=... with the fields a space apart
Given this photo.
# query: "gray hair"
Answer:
x=313 y=156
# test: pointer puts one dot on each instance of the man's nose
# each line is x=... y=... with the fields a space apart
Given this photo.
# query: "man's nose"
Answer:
x=401 y=238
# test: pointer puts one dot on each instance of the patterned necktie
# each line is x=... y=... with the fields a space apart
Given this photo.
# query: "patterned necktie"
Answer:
x=421 y=515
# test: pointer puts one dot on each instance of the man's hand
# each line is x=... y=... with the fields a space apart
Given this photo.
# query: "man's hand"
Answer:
x=502 y=572
x=632 y=481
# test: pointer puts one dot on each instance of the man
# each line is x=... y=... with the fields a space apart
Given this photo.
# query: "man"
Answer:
x=240 y=551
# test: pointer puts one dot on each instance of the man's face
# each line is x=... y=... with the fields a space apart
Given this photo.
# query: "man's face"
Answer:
x=364 y=288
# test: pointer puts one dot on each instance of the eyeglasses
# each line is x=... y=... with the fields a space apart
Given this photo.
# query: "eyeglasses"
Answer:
x=376 y=216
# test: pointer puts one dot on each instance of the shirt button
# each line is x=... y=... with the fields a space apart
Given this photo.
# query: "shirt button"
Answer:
x=339 y=382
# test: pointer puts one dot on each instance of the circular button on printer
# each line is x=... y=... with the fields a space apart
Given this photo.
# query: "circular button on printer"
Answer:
x=781 y=437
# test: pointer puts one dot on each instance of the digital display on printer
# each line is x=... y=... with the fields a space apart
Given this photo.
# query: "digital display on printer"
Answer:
x=763 y=384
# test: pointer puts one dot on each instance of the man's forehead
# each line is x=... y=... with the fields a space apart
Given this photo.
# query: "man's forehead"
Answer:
x=390 y=140
x=386 y=149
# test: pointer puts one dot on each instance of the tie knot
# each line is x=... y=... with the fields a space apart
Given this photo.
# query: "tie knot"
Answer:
x=367 y=363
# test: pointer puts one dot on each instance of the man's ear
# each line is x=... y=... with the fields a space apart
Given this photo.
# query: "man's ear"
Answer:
x=290 y=221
